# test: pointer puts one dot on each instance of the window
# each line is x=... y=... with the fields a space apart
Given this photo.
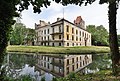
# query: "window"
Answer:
x=44 y=31
x=83 y=34
x=77 y=65
x=72 y=44
x=67 y=37
x=67 y=28
x=67 y=44
x=44 y=58
x=48 y=59
x=72 y=60
x=87 y=35
x=72 y=67
x=76 y=32
x=52 y=44
x=44 y=64
x=41 y=43
x=48 y=31
x=67 y=70
x=72 y=37
x=83 y=62
x=80 y=44
x=53 y=30
x=76 y=44
x=59 y=28
x=44 y=38
x=53 y=37
x=67 y=61
x=48 y=37
x=60 y=61
x=80 y=64
x=80 y=33
x=80 y=38
x=48 y=65
x=76 y=38
x=80 y=58
x=72 y=30
x=59 y=36
x=77 y=59
x=44 y=44
x=59 y=44
x=41 y=32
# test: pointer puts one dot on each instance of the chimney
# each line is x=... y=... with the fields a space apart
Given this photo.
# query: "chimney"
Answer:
x=35 y=26
x=58 y=19
x=48 y=22
x=40 y=22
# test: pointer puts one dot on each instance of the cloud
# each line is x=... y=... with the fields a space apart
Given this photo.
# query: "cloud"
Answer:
x=92 y=14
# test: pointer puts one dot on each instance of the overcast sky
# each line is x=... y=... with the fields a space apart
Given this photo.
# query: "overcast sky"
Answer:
x=94 y=14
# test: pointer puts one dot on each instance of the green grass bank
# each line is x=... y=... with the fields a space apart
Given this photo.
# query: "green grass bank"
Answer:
x=59 y=50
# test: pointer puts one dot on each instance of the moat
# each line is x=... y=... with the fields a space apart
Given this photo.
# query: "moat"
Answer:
x=54 y=65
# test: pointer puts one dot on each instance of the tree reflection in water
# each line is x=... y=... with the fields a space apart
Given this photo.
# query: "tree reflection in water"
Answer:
x=100 y=62
x=24 y=64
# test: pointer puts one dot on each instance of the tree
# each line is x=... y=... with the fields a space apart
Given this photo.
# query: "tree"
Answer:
x=9 y=9
x=21 y=35
x=113 y=37
x=113 y=6
x=29 y=37
x=118 y=36
x=99 y=35
x=18 y=34
x=102 y=35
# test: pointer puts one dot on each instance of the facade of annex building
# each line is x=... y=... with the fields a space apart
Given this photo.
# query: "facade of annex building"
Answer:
x=62 y=33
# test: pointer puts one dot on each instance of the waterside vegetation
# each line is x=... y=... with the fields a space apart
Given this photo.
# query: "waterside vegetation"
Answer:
x=59 y=50
x=104 y=75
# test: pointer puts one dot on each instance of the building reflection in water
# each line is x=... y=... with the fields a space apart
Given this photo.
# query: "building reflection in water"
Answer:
x=61 y=65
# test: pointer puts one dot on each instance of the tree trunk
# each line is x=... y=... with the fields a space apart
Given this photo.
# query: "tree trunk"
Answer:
x=3 y=45
x=6 y=20
x=114 y=50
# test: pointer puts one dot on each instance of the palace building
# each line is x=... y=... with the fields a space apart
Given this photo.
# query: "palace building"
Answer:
x=62 y=33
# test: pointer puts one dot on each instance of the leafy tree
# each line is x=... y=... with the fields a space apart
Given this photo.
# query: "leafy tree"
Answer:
x=21 y=35
x=92 y=30
x=18 y=34
x=9 y=9
x=118 y=40
x=30 y=35
x=99 y=34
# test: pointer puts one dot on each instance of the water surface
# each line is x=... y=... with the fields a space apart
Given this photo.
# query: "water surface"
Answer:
x=51 y=65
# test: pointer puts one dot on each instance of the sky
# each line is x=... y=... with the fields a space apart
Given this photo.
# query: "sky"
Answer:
x=94 y=14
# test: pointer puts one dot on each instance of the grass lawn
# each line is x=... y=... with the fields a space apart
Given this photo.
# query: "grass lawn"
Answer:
x=59 y=50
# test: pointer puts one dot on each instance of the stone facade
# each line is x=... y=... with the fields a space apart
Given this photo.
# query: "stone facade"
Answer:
x=62 y=33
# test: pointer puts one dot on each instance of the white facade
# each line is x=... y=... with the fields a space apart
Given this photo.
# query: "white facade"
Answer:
x=61 y=33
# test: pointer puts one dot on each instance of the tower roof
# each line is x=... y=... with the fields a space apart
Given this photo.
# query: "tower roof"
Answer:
x=78 y=20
